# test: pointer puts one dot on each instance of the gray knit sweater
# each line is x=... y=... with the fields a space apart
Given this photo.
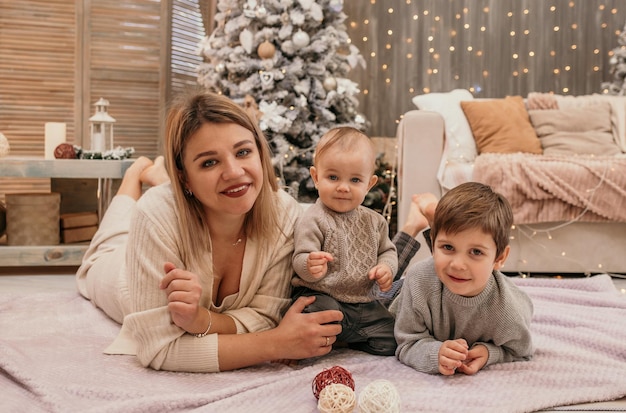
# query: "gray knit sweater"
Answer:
x=427 y=314
x=358 y=240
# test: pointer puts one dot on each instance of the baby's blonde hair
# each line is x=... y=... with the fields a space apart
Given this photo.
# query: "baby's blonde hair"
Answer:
x=344 y=138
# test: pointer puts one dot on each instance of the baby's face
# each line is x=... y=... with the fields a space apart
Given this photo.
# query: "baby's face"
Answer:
x=344 y=178
x=465 y=261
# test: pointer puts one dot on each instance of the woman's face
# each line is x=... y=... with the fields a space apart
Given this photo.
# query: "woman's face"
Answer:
x=224 y=169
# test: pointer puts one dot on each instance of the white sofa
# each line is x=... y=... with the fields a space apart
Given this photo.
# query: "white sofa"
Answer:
x=579 y=247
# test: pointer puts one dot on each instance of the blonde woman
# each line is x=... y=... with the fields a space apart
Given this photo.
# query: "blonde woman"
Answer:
x=198 y=268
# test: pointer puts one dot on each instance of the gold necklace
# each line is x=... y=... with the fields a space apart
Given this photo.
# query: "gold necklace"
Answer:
x=237 y=242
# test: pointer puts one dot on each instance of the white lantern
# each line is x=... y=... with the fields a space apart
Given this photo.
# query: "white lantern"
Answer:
x=101 y=127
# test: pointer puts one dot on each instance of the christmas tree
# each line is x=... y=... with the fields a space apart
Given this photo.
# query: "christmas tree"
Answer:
x=289 y=60
x=618 y=68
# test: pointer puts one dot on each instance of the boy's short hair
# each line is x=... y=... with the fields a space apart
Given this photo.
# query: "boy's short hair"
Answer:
x=474 y=205
x=346 y=137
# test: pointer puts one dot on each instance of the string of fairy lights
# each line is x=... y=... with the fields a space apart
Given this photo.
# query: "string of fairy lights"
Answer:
x=491 y=48
x=539 y=236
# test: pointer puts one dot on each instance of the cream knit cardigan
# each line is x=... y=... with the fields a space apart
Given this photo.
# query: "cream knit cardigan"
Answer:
x=153 y=239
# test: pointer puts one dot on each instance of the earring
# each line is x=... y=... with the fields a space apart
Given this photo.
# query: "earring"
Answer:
x=188 y=192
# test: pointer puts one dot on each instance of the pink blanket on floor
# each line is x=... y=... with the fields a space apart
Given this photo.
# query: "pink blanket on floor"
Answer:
x=545 y=188
x=51 y=360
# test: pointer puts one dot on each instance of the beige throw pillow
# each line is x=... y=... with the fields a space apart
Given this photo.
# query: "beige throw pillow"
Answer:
x=501 y=126
x=576 y=131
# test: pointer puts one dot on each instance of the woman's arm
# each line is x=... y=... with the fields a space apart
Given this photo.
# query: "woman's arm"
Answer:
x=160 y=343
x=184 y=293
x=299 y=335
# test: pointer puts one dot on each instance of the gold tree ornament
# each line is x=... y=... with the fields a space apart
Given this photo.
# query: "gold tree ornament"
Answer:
x=266 y=50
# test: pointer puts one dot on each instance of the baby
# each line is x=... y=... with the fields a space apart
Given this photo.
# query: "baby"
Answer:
x=342 y=248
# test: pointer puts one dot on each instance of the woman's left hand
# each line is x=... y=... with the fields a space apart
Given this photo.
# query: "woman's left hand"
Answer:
x=183 y=292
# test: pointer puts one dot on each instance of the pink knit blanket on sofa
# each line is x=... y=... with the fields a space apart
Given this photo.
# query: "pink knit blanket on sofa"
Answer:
x=545 y=188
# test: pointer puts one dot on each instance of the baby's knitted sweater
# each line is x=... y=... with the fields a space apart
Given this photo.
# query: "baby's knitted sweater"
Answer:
x=358 y=240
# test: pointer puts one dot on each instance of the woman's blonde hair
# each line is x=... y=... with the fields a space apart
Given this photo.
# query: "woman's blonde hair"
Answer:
x=184 y=118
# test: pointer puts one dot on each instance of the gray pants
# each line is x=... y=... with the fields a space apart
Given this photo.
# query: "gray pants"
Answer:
x=365 y=326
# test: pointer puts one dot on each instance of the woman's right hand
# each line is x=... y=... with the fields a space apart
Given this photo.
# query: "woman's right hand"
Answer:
x=304 y=335
x=183 y=292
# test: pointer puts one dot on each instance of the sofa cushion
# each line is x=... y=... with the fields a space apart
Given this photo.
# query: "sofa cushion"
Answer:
x=618 y=111
x=501 y=126
x=460 y=146
x=575 y=131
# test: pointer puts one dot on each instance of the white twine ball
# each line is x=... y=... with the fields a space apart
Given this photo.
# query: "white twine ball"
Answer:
x=4 y=146
x=336 y=398
x=380 y=396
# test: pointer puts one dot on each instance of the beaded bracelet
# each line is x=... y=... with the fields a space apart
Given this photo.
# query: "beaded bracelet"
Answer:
x=200 y=335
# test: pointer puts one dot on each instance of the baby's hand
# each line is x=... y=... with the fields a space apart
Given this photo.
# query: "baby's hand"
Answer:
x=383 y=276
x=452 y=353
x=317 y=263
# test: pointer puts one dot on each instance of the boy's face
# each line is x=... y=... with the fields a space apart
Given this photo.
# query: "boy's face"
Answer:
x=464 y=261
x=343 y=178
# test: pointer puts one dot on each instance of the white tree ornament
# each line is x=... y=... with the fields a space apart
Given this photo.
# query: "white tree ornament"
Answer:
x=247 y=40
x=300 y=39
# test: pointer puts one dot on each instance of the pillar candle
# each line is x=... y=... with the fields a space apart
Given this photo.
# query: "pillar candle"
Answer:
x=55 y=135
x=97 y=142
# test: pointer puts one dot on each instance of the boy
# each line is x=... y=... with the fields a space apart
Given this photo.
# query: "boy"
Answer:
x=456 y=311
x=343 y=248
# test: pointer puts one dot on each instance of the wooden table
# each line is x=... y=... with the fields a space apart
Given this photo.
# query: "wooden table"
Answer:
x=28 y=167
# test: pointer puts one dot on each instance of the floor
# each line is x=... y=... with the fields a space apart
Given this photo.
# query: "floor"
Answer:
x=62 y=280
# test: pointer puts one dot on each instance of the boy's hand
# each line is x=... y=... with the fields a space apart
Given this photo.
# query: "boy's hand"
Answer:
x=317 y=263
x=452 y=354
x=383 y=276
x=476 y=359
